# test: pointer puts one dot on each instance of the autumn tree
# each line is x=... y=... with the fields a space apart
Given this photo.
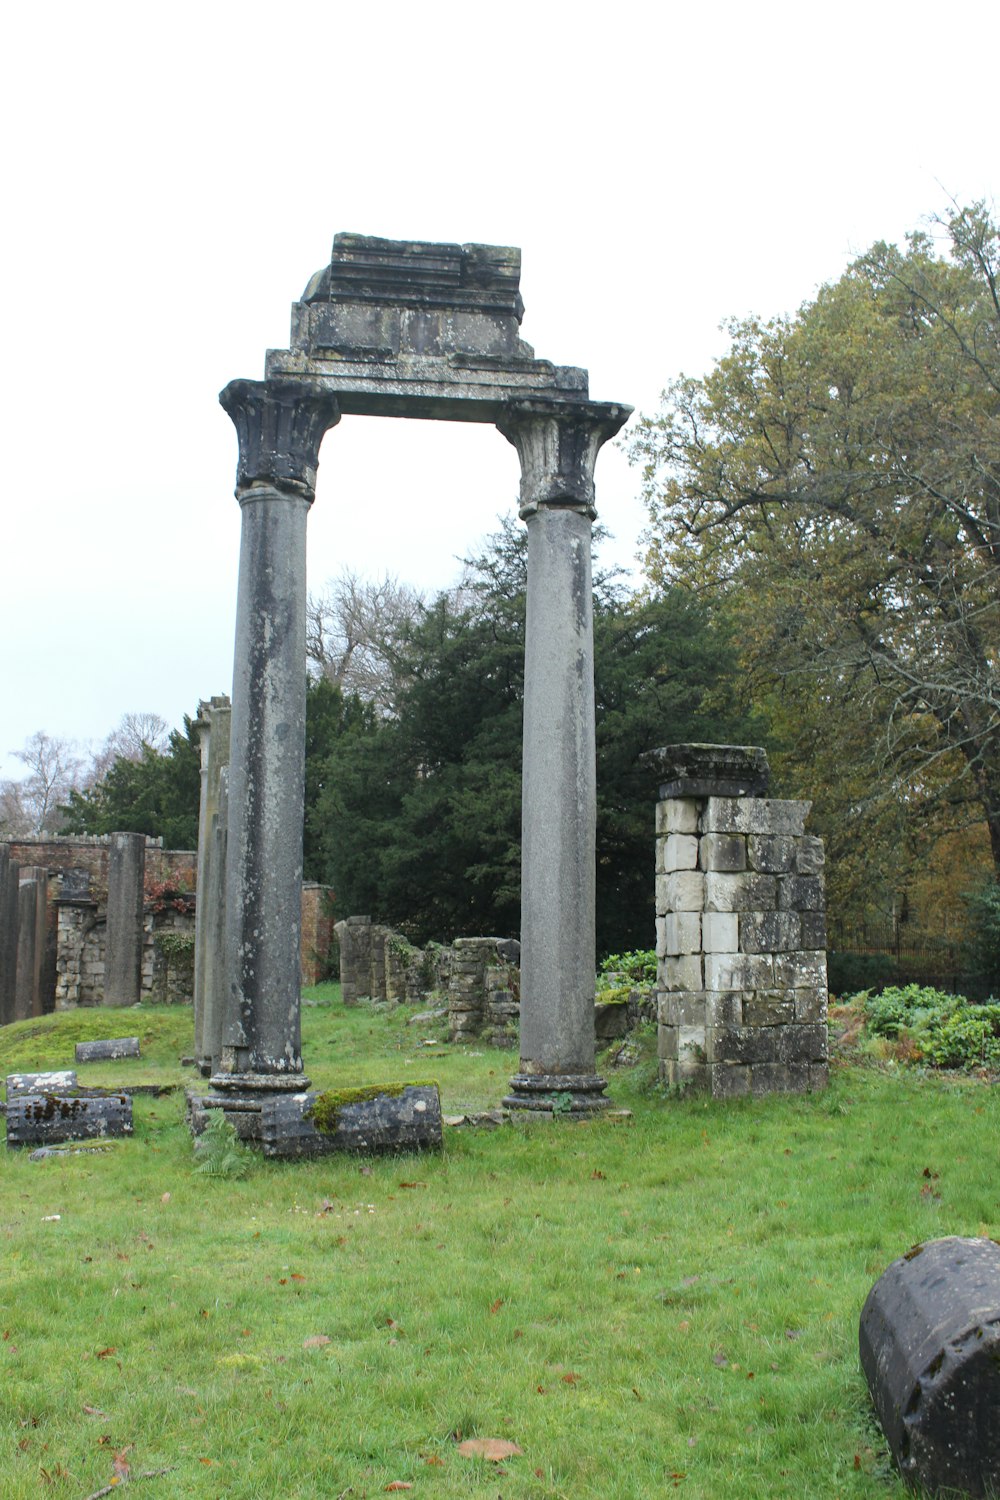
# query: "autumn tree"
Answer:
x=834 y=482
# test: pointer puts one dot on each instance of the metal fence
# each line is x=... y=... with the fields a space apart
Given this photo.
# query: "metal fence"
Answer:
x=868 y=955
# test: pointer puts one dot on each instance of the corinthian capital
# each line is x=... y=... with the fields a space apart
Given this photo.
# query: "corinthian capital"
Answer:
x=558 y=446
x=280 y=426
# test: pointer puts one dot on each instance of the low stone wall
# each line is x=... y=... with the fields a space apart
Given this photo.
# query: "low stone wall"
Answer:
x=167 y=975
x=741 y=936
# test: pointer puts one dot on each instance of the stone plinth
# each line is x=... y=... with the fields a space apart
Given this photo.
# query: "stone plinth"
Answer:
x=741 y=940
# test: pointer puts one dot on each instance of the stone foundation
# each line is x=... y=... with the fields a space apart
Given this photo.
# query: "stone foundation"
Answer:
x=741 y=936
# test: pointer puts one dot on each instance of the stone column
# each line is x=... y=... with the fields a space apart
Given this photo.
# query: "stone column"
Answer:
x=9 y=880
x=280 y=428
x=123 y=948
x=558 y=448
x=212 y=725
x=32 y=915
x=215 y=987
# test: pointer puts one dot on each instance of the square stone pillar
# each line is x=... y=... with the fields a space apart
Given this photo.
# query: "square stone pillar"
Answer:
x=9 y=881
x=212 y=724
x=123 y=952
x=740 y=928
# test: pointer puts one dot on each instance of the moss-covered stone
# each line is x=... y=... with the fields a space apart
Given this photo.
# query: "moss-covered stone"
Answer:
x=326 y=1108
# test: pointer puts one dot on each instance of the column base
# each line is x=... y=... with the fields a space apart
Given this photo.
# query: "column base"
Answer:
x=241 y=1097
x=557 y=1093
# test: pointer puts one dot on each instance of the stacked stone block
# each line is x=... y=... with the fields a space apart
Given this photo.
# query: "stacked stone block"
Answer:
x=741 y=945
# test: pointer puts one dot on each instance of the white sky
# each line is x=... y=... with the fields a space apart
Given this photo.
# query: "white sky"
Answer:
x=174 y=174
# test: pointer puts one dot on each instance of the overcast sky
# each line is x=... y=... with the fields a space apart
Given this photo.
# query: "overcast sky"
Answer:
x=174 y=174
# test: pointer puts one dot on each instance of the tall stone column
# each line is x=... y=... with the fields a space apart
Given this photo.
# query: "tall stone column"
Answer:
x=212 y=724
x=280 y=427
x=123 y=949
x=9 y=880
x=558 y=448
x=216 y=989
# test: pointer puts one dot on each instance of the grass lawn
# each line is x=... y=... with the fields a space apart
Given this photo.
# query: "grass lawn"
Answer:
x=663 y=1302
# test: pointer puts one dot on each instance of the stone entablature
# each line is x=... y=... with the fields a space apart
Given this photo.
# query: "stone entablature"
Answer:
x=741 y=945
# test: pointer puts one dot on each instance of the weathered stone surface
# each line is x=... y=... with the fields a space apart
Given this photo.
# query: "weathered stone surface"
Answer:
x=107 y=1050
x=813 y=925
x=61 y=1082
x=809 y=855
x=677 y=815
x=9 y=881
x=738 y=971
x=811 y=1005
x=729 y=1080
x=697 y=770
x=565 y=1093
x=678 y=851
x=30 y=940
x=780 y=1078
x=365 y=1121
x=768 y=1008
x=681 y=1009
x=740 y=893
x=754 y=815
x=802 y=970
x=801 y=893
x=682 y=933
x=771 y=854
x=767 y=1044
x=723 y=851
x=681 y=973
x=720 y=932
x=724 y=1009
x=683 y=890
x=43 y=1118
x=929 y=1341
x=770 y=931
x=610 y=1021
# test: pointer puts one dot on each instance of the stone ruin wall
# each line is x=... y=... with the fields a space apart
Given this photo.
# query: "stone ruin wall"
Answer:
x=477 y=977
x=741 y=939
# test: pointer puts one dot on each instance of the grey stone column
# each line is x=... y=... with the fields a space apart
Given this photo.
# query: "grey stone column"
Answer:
x=32 y=915
x=558 y=448
x=212 y=723
x=280 y=428
x=215 y=987
x=123 y=948
x=9 y=880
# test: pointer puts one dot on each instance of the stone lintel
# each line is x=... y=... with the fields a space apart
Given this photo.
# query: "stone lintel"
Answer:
x=697 y=770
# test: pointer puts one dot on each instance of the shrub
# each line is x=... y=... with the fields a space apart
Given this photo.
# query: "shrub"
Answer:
x=638 y=967
x=969 y=1038
x=913 y=1007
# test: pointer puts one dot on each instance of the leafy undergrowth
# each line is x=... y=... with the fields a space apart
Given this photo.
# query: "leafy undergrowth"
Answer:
x=666 y=1301
x=920 y=1025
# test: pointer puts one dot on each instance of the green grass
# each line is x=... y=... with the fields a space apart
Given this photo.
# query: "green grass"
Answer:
x=663 y=1302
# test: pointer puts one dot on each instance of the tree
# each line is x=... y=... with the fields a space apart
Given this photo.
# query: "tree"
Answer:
x=157 y=793
x=31 y=805
x=352 y=628
x=136 y=733
x=419 y=817
x=834 y=482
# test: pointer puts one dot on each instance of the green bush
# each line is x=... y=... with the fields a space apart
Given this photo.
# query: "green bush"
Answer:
x=969 y=1038
x=638 y=967
x=912 y=1008
x=943 y=1030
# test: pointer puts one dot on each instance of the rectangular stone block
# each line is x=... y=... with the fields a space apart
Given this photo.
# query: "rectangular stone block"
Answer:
x=681 y=1009
x=720 y=932
x=768 y=1044
x=677 y=815
x=809 y=855
x=682 y=890
x=738 y=971
x=779 y=1078
x=801 y=970
x=690 y=1047
x=740 y=892
x=683 y=932
x=754 y=815
x=680 y=852
x=819 y=1076
x=723 y=1009
x=682 y=973
x=661 y=937
x=813 y=925
x=801 y=893
x=771 y=853
x=666 y=1043
x=683 y=1075
x=768 y=1008
x=729 y=1080
x=723 y=851
x=810 y=1005
x=769 y=931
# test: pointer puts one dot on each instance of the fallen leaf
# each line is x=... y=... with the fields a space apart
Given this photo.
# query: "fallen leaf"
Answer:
x=296 y=1276
x=493 y=1449
x=94 y=1411
x=596 y=1176
x=398 y=1484
x=120 y=1465
x=315 y=1341
x=496 y=1306
x=413 y=1184
x=571 y=1378
x=107 y=1353
x=435 y=1462
x=165 y=1198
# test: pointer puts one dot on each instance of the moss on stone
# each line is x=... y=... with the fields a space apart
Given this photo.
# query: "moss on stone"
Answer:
x=326 y=1107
